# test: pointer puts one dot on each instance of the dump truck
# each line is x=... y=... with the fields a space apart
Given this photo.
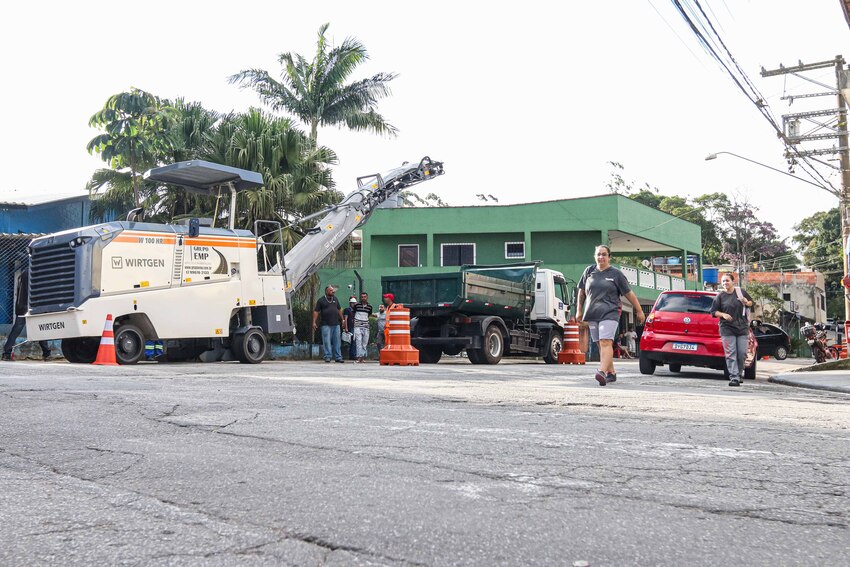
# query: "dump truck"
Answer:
x=489 y=311
x=203 y=291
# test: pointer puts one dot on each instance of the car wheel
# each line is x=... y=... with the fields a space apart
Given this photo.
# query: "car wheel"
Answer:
x=646 y=365
x=750 y=373
x=781 y=353
x=675 y=368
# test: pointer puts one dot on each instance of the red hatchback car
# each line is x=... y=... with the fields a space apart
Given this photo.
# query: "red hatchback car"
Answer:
x=680 y=331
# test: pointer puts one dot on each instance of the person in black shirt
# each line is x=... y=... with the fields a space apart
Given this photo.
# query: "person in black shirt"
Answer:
x=348 y=324
x=21 y=297
x=731 y=306
x=331 y=316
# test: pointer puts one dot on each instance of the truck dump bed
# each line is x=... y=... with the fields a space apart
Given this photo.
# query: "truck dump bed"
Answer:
x=507 y=291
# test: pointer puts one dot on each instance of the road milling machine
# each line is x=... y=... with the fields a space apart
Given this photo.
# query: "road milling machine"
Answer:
x=202 y=291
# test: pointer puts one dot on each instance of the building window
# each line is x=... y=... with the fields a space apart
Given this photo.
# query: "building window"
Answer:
x=457 y=254
x=408 y=255
x=786 y=297
x=514 y=250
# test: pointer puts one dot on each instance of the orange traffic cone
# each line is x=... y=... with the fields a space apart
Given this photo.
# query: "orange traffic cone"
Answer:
x=571 y=350
x=106 y=350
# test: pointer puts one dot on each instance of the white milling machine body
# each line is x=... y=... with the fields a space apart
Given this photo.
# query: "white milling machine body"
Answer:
x=202 y=291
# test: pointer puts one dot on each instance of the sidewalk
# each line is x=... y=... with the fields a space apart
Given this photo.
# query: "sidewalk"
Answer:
x=832 y=380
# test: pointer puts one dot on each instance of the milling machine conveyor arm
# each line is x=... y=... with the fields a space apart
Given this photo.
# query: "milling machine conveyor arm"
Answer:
x=339 y=221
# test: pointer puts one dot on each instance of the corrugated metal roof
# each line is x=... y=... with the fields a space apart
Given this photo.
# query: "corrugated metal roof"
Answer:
x=42 y=199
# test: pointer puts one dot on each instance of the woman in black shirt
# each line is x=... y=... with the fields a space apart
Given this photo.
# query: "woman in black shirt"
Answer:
x=732 y=307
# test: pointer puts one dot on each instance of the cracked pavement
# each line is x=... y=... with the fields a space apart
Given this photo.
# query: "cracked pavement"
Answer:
x=297 y=463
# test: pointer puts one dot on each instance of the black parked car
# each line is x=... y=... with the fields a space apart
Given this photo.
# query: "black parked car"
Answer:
x=773 y=341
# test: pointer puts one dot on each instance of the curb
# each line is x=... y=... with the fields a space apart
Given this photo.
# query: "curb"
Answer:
x=818 y=384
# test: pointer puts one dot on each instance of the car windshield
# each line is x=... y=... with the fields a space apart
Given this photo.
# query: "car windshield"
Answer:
x=684 y=303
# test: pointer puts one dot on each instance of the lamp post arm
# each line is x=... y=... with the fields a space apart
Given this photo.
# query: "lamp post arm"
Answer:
x=818 y=185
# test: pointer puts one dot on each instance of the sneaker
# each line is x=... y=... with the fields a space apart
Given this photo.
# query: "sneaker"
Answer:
x=6 y=356
x=610 y=377
x=734 y=382
x=340 y=361
x=327 y=360
x=601 y=378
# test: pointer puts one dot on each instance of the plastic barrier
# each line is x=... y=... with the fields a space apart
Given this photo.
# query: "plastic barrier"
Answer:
x=398 y=351
x=571 y=352
x=106 y=350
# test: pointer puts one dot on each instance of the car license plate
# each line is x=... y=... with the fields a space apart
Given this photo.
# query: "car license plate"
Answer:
x=684 y=346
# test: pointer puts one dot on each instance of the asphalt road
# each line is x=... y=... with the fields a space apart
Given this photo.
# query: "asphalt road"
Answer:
x=450 y=464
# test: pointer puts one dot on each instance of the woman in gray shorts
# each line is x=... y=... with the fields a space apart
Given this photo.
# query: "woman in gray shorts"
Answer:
x=601 y=286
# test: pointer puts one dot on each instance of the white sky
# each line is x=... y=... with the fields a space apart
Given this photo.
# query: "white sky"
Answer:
x=525 y=101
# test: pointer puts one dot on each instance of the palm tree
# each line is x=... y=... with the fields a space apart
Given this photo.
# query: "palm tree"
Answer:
x=316 y=91
x=295 y=179
x=134 y=123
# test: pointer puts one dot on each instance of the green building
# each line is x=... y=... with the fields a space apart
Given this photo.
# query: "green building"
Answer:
x=562 y=234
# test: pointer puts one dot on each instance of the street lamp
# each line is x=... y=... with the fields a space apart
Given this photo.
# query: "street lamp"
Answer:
x=843 y=203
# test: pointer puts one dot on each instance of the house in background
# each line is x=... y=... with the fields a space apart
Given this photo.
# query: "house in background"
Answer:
x=803 y=294
x=562 y=234
x=20 y=222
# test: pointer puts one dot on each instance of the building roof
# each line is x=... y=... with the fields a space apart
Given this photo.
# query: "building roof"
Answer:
x=34 y=200
x=845 y=5
x=786 y=278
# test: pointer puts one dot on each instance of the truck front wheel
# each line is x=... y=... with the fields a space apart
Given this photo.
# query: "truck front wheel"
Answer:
x=553 y=347
x=129 y=344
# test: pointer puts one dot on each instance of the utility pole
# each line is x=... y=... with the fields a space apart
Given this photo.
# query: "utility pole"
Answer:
x=836 y=128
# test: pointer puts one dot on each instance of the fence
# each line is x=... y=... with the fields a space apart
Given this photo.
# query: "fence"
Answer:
x=13 y=254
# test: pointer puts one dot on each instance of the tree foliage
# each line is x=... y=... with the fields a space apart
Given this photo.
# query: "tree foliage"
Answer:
x=317 y=92
x=731 y=230
x=768 y=301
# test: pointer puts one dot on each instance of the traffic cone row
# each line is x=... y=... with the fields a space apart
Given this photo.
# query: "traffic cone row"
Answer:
x=106 y=350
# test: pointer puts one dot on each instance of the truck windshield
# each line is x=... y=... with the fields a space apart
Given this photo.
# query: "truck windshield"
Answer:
x=684 y=303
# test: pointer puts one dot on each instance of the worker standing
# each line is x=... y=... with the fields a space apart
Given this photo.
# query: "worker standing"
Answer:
x=21 y=298
x=362 y=313
x=331 y=318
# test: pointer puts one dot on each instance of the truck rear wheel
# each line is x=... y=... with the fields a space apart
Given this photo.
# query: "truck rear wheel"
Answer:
x=129 y=344
x=494 y=346
x=553 y=347
x=430 y=354
x=80 y=350
x=250 y=347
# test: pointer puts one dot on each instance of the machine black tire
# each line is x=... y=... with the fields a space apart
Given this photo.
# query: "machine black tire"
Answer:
x=474 y=356
x=675 y=368
x=781 y=353
x=453 y=350
x=646 y=365
x=81 y=350
x=494 y=345
x=129 y=344
x=553 y=347
x=430 y=354
x=750 y=373
x=250 y=347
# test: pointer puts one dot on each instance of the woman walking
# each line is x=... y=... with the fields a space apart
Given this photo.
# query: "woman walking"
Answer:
x=731 y=306
x=602 y=286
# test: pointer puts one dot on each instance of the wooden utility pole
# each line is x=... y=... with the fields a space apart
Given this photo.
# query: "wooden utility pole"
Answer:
x=793 y=136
